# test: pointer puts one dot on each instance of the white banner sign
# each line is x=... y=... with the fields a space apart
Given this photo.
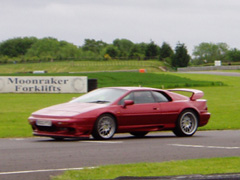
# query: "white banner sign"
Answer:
x=43 y=84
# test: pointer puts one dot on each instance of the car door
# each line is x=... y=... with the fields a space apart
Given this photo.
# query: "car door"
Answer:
x=144 y=112
x=169 y=110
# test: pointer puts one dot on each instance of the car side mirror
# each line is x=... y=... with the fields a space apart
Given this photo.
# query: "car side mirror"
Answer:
x=128 y=103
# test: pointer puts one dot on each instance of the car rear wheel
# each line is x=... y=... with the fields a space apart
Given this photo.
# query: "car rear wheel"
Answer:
x=139 y=134
x=105 y=127
x=187 y=124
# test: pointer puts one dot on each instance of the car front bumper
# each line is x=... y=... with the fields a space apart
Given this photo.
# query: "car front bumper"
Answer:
x=60 y=128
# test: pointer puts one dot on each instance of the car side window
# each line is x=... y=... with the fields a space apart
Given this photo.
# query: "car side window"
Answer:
x=142 y=97
x=139 y=97
x=160 y=97
x=127 y=97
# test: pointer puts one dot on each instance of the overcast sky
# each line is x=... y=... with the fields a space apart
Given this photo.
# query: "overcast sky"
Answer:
x=186 y=21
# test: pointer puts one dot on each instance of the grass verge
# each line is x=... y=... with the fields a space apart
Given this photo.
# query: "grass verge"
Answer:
x=16 y=108
x=171 y=168
x=157 y=80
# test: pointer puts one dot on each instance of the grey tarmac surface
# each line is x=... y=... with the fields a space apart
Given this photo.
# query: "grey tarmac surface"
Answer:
x=38 y=158
x=213 y=73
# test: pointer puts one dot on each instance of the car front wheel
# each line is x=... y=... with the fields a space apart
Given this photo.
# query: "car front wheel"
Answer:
x=58 y=138
x=187 y=124
x=139 y=134
x=105 y=127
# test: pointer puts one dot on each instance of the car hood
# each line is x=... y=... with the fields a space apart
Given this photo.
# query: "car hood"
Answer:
x=68 y=109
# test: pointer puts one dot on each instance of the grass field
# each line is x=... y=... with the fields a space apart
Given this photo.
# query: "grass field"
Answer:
x=171 y=168
x=82 y=66
x=157 y=80
x=16 y=108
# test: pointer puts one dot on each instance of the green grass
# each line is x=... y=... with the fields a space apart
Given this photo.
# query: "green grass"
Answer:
x=148 y=80
x=157 y=80
x=16 y=108
x=171 y=168
x=82 y=66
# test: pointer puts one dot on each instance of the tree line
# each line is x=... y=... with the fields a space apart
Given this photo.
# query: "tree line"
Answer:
x=32 y=49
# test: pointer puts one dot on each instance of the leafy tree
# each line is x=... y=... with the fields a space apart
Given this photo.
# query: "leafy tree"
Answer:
x=124 y=46
x=180 y=57
x=87 y=55
x=46 y=47
x=165 y=51
x=51 y=48
x=210 y=52
x=137 y=51
x=94 y=46
x=233 y=55
x=112 y=51
x=151 y=50
x=17 y=46
x=67 y=50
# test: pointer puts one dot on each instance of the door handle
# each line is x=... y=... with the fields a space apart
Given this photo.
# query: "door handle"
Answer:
x=155 y=108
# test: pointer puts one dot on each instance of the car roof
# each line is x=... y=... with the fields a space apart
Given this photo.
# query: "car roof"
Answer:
x=171 y=95
x=128 y=88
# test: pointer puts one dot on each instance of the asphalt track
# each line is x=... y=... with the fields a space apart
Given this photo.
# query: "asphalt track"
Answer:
x=220 y=73
x=38 y=158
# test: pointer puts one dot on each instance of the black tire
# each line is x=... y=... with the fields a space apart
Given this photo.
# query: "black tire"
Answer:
x=187 y=124
x=105 y=127
x=58 y=138
x=139 y=134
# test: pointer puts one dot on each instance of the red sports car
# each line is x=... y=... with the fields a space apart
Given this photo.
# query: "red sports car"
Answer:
x=136 y=110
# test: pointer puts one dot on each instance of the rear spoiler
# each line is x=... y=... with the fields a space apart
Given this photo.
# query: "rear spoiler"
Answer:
x=196 y=94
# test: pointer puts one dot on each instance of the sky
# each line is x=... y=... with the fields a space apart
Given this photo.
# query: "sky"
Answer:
x=173 y=21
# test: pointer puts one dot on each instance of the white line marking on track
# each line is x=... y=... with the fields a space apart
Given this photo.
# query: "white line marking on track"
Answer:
x=43 y=170
x=19 y=139
x=105 y=142
x=201 y=146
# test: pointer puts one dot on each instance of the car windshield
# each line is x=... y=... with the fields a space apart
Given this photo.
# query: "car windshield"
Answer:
x=104 y=95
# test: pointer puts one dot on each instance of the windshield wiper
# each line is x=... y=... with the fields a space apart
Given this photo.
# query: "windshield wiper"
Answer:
x=99 y=101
